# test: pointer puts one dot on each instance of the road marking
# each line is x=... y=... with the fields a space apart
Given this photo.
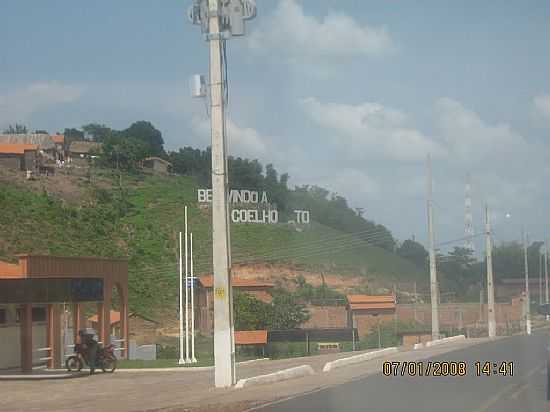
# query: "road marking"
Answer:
x=494 y=399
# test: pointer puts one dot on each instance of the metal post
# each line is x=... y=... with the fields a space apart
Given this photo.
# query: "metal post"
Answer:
x=187 y=360
x=540 y=278
x=193 y=359
x=546 y=275
x=181 y=360
x=491 y=322
x=433 y=270
x=224 y=353
x=527 y=295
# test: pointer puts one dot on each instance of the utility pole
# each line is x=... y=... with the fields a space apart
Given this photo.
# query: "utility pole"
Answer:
x=219 y=21
x=546 y=276
x=491 y=323
x=540 y=278
x=527 y=295
x=434 y=296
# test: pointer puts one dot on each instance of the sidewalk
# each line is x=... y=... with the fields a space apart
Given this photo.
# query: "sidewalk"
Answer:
x=181 y=390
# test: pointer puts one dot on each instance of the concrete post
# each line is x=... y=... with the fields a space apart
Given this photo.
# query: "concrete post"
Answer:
x=224 y=352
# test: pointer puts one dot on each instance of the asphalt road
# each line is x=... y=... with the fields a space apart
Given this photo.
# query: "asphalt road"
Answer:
x=525 y=391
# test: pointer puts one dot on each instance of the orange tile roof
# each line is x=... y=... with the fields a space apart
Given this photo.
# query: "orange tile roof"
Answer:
x=251 y=337
x=58 y=138
x=115 y=317
x=16 y=148
x=370 y=298
x=208 y=282
x=372 y=306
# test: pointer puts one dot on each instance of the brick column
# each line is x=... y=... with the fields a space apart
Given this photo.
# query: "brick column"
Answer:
x=26 y=337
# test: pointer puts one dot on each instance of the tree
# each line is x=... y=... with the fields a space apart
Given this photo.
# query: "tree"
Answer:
x=73 y=134
x=41 y=132
x=250 y=313
x=97 y=132
x=415 y=252
x=146 y=133
x=286 y=313
x=17 y=129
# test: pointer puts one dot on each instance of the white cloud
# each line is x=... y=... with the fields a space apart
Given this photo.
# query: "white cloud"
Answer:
x=371 y=129
x=20 y=104
x=470 y=138
x=289 y=31
x=542 y=106
x=242 y=141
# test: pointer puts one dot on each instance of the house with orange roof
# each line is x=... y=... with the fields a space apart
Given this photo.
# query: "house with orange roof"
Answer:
x=19 y=156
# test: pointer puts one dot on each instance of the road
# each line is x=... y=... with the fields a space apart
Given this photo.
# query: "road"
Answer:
x=523 y=392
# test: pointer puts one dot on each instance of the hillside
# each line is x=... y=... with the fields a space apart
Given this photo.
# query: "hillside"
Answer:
x=93 y=216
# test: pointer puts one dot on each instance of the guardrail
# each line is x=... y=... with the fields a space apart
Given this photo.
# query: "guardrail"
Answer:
x=47 y=358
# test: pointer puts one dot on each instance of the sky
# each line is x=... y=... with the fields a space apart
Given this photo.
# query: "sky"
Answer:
x=348 y=95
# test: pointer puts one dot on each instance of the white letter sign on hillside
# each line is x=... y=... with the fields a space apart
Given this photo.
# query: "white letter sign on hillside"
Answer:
x=259 y=199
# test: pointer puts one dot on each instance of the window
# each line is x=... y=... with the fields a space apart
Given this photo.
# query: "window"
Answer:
x=38 y=315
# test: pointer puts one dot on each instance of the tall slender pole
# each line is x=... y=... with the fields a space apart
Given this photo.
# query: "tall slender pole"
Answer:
x=433 y=270
x=546 y=276
x=491 y=322
x=540 y=278
x=181 y=360
x=527 y=295
x=224 y=352
x=187 y=360
x=193 y=359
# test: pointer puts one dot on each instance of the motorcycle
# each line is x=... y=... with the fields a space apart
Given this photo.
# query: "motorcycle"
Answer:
x=106 y=359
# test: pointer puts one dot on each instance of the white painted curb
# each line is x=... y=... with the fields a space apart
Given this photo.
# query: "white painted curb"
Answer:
x=338 y=363
x=184 y=368
x=445 y=340
x=418 y=346
x=297 y=372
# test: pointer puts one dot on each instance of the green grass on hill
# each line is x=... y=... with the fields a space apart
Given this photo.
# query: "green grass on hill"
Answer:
x=143 y=222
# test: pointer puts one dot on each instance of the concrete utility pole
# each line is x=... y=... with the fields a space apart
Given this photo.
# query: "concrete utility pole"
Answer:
x=546 y=275
x=434 y=296
x=540 y=278
x=491 y=323
x=224 y=354
x=221 y=20
x=527 y=295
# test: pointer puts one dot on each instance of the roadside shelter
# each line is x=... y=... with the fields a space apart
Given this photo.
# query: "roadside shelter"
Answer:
x=50 y=281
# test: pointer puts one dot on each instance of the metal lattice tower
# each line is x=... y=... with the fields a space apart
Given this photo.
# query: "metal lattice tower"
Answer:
x=468 y=218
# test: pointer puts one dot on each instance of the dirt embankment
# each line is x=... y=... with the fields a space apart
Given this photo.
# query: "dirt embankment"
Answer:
x=286 y=275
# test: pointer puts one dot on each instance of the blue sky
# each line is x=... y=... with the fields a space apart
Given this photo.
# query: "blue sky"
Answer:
x=350 y=95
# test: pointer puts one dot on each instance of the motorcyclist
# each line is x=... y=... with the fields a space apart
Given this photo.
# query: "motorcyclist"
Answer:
x=91 y=347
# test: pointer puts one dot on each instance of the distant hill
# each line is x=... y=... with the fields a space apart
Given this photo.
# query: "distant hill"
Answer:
x=92 y=215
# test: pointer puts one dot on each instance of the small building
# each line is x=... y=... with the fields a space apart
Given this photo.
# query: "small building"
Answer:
x=32 y=293
x=46 y=146
x=157 y=165
x=19 y=156
x=143 y=330
x=80 y=152
x=255 y=340
x=205 y=299
x=367 y=311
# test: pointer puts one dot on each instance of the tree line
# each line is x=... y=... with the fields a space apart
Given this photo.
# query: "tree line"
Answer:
x=125 y=149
